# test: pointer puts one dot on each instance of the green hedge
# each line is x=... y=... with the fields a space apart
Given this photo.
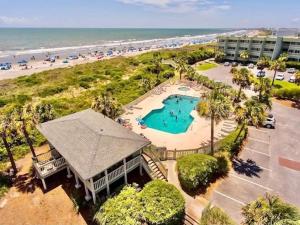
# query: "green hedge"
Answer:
x=292 y=64
x=287 y=93
x=196 y=171
x=159 y=203
x=215 y=216
x=232 y=142
x=163 y=203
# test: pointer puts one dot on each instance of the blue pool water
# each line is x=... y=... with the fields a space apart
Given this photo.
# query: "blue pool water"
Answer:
x=175 y=116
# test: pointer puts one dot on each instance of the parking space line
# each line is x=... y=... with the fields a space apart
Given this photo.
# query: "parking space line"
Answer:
x=250 y=149
x=254 y=129
x=233 y=199
x=251 y=182
x=254 y=139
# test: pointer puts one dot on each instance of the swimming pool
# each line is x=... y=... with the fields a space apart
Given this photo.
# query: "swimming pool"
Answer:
x=175 y=116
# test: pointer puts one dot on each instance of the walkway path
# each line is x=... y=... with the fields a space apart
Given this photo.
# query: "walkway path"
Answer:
x=194 y=207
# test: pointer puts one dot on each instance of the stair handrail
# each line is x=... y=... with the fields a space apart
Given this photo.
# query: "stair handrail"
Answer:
x=157 y=162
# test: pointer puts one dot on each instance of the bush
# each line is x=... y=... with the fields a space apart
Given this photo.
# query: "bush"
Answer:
x=232 y=142
x=158 y=203
x=292 y=64
x=215 y=216
x=197 y=171
x=163 y=203
x=124 y=208
x=288 y=93
x=168 y=74
x=224 y=163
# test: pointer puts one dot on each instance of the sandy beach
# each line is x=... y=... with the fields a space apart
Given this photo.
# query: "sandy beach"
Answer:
x=91 y=54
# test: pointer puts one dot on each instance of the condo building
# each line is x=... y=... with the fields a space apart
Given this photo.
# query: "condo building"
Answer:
x=257 y=47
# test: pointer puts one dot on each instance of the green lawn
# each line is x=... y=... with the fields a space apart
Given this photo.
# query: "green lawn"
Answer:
x=206 y=66
x=285 y=84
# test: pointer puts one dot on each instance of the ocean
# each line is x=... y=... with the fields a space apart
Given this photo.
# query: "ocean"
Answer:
x=30 y=41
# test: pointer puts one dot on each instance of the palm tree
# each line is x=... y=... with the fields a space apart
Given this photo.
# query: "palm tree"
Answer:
x=29 y=115
x=215 y=106
x=157 y=63
x=191 y=73
x=107 y=105
x=219 y=56
x=244 y=55
x=263 y=62
x=263 y=87
x=243 y=78
x=278 y=65
x=252 y=112
x=297 y=78
x=5 y=132
x=181 y=67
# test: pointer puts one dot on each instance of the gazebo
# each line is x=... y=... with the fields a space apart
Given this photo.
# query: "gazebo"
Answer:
x=96 y=149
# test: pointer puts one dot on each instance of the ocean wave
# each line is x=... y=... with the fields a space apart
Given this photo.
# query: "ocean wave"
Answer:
x=109 y=44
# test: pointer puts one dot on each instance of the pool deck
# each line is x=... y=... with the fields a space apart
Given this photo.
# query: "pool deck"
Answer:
x=197 y=134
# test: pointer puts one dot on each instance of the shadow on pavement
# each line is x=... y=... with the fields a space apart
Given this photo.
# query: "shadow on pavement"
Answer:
x=248 y=167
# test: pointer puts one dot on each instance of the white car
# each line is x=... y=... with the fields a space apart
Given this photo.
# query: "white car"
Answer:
x=279 y=77
x=226 y=64
x=291 y=70
x=251 y=66
x=292 y=79
x=270 y=122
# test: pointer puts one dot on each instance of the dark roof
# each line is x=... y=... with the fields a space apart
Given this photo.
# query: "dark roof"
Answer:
x=91 y=142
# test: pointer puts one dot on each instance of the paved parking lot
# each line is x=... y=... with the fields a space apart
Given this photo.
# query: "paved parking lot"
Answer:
x=270 y=161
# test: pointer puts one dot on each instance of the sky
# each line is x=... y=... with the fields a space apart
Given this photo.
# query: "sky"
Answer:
x=150 y=13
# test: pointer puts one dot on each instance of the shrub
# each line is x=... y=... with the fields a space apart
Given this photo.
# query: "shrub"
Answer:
x=163 y=203
x=224 y=163
x=269 y=210
x=287 y=93
x=125 y=208
x=4 y=184
x=196 y=171
x=232 y=142
x=168 y=74
x=215 y=216
x=292 y=64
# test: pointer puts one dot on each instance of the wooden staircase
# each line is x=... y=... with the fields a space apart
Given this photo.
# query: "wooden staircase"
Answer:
x=153 y=169
x=188 y=220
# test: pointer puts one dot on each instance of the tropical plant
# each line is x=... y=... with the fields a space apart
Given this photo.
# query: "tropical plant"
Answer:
x=29 y=115
x=213 y=215
x=5 y=133
x=245 y=55
x=263 y=62
x=191 y=73
x=269 y=210
x=107 y=105
x=181 y=67
x=252 y=112
x=157 y=61
x=243 y=78
x=219 y=56
x=277 y=65
x=216 y=106
x=264 y=88
x=297 y=78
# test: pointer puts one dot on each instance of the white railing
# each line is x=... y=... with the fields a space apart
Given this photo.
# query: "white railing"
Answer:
x=132 y=163
x=51 y=166
x=99 y=184
x=116 y=173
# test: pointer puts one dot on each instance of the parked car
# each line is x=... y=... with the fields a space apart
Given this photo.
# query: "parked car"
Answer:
x=226 y=64
x=292 y=79
x=291 y=70
x=270 y=122
x=279 y=76
x=5 y=66
x=261 y=73
x=72 y=57
x=234 y=64
x=251 y=66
